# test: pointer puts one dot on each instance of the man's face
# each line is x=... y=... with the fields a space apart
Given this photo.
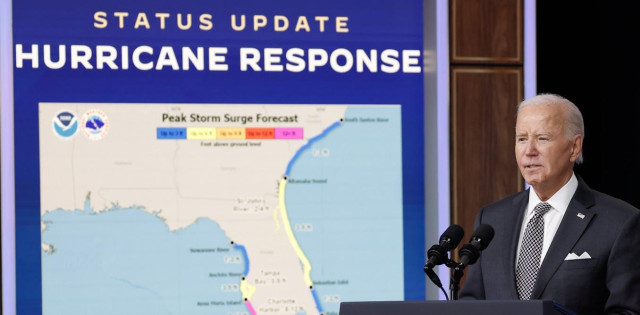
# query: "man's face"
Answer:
x=544 y=154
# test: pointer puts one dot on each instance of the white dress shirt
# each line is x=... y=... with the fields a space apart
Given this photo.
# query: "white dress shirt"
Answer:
x=559 y=203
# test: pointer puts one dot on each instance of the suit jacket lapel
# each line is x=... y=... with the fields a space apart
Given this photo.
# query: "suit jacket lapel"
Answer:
x=571 y=228
x=511 y=235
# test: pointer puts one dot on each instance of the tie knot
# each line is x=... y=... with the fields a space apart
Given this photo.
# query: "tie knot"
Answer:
x=542 y=208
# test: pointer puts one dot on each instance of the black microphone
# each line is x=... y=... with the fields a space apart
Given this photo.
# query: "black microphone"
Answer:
x=480 y=239
x=448 y=240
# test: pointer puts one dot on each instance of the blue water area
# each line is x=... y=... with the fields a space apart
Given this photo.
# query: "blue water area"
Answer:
x=126 y=261
x=310 y=144
x=349 y=221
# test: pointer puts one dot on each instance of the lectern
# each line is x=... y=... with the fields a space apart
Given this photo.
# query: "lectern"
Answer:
x=534 y=307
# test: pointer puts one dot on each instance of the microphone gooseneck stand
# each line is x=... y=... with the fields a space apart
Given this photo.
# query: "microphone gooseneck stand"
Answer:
x=469 y=254
x=454 y=283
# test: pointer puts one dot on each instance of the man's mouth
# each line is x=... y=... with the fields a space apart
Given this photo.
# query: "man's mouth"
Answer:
x=532 y=166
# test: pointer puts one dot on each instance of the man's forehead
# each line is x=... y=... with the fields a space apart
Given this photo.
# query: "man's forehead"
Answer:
x=542 y=109
x=540 y=123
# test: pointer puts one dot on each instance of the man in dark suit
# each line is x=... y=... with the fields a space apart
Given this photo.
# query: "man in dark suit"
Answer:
x=558 y=240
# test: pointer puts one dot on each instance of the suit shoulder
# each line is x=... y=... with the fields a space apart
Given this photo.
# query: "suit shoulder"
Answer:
x=608 y=205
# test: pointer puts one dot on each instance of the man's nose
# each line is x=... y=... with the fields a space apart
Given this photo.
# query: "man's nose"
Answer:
x=531 y=148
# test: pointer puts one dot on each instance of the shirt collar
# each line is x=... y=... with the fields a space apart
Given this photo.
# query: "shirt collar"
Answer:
x=559 y=201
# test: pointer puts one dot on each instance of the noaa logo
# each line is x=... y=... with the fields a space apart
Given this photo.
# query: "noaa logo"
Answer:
x=65 y=124
x=95 y=124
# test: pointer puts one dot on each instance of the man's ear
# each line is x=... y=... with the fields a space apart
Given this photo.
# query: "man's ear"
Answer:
x=576 y=148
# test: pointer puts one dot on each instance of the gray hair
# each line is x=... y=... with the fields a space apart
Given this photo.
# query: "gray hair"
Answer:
x=574 y=124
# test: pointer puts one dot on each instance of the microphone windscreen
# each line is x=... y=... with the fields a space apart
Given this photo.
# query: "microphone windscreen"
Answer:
x=455 y=233
x=484 y=233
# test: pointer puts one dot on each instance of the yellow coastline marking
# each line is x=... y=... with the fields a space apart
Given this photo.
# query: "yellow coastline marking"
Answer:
x=287 y=227
x=247 y=289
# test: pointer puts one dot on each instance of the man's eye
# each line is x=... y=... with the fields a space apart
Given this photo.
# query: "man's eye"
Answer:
x=543 y=139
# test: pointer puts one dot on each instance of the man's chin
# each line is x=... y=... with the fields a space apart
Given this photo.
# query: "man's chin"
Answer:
x=532 y=174
x=532 y=180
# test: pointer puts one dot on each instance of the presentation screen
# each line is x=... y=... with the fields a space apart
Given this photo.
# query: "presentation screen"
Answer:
x=227 y=157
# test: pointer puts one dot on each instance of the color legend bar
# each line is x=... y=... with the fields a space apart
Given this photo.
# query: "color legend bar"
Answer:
x=261 y=133
x=201 y=133
x=230 y=133
x=227 y=133
x=289 y=133
x=172 y=133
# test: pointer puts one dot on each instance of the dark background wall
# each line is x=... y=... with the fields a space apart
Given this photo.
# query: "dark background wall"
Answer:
x=586 y=54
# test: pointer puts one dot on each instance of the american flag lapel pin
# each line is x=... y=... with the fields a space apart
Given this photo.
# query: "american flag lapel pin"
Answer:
x=580 y=215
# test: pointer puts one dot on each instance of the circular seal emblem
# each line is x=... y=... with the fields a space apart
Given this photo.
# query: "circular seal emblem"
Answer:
x=95 y=124
x=65 y=124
